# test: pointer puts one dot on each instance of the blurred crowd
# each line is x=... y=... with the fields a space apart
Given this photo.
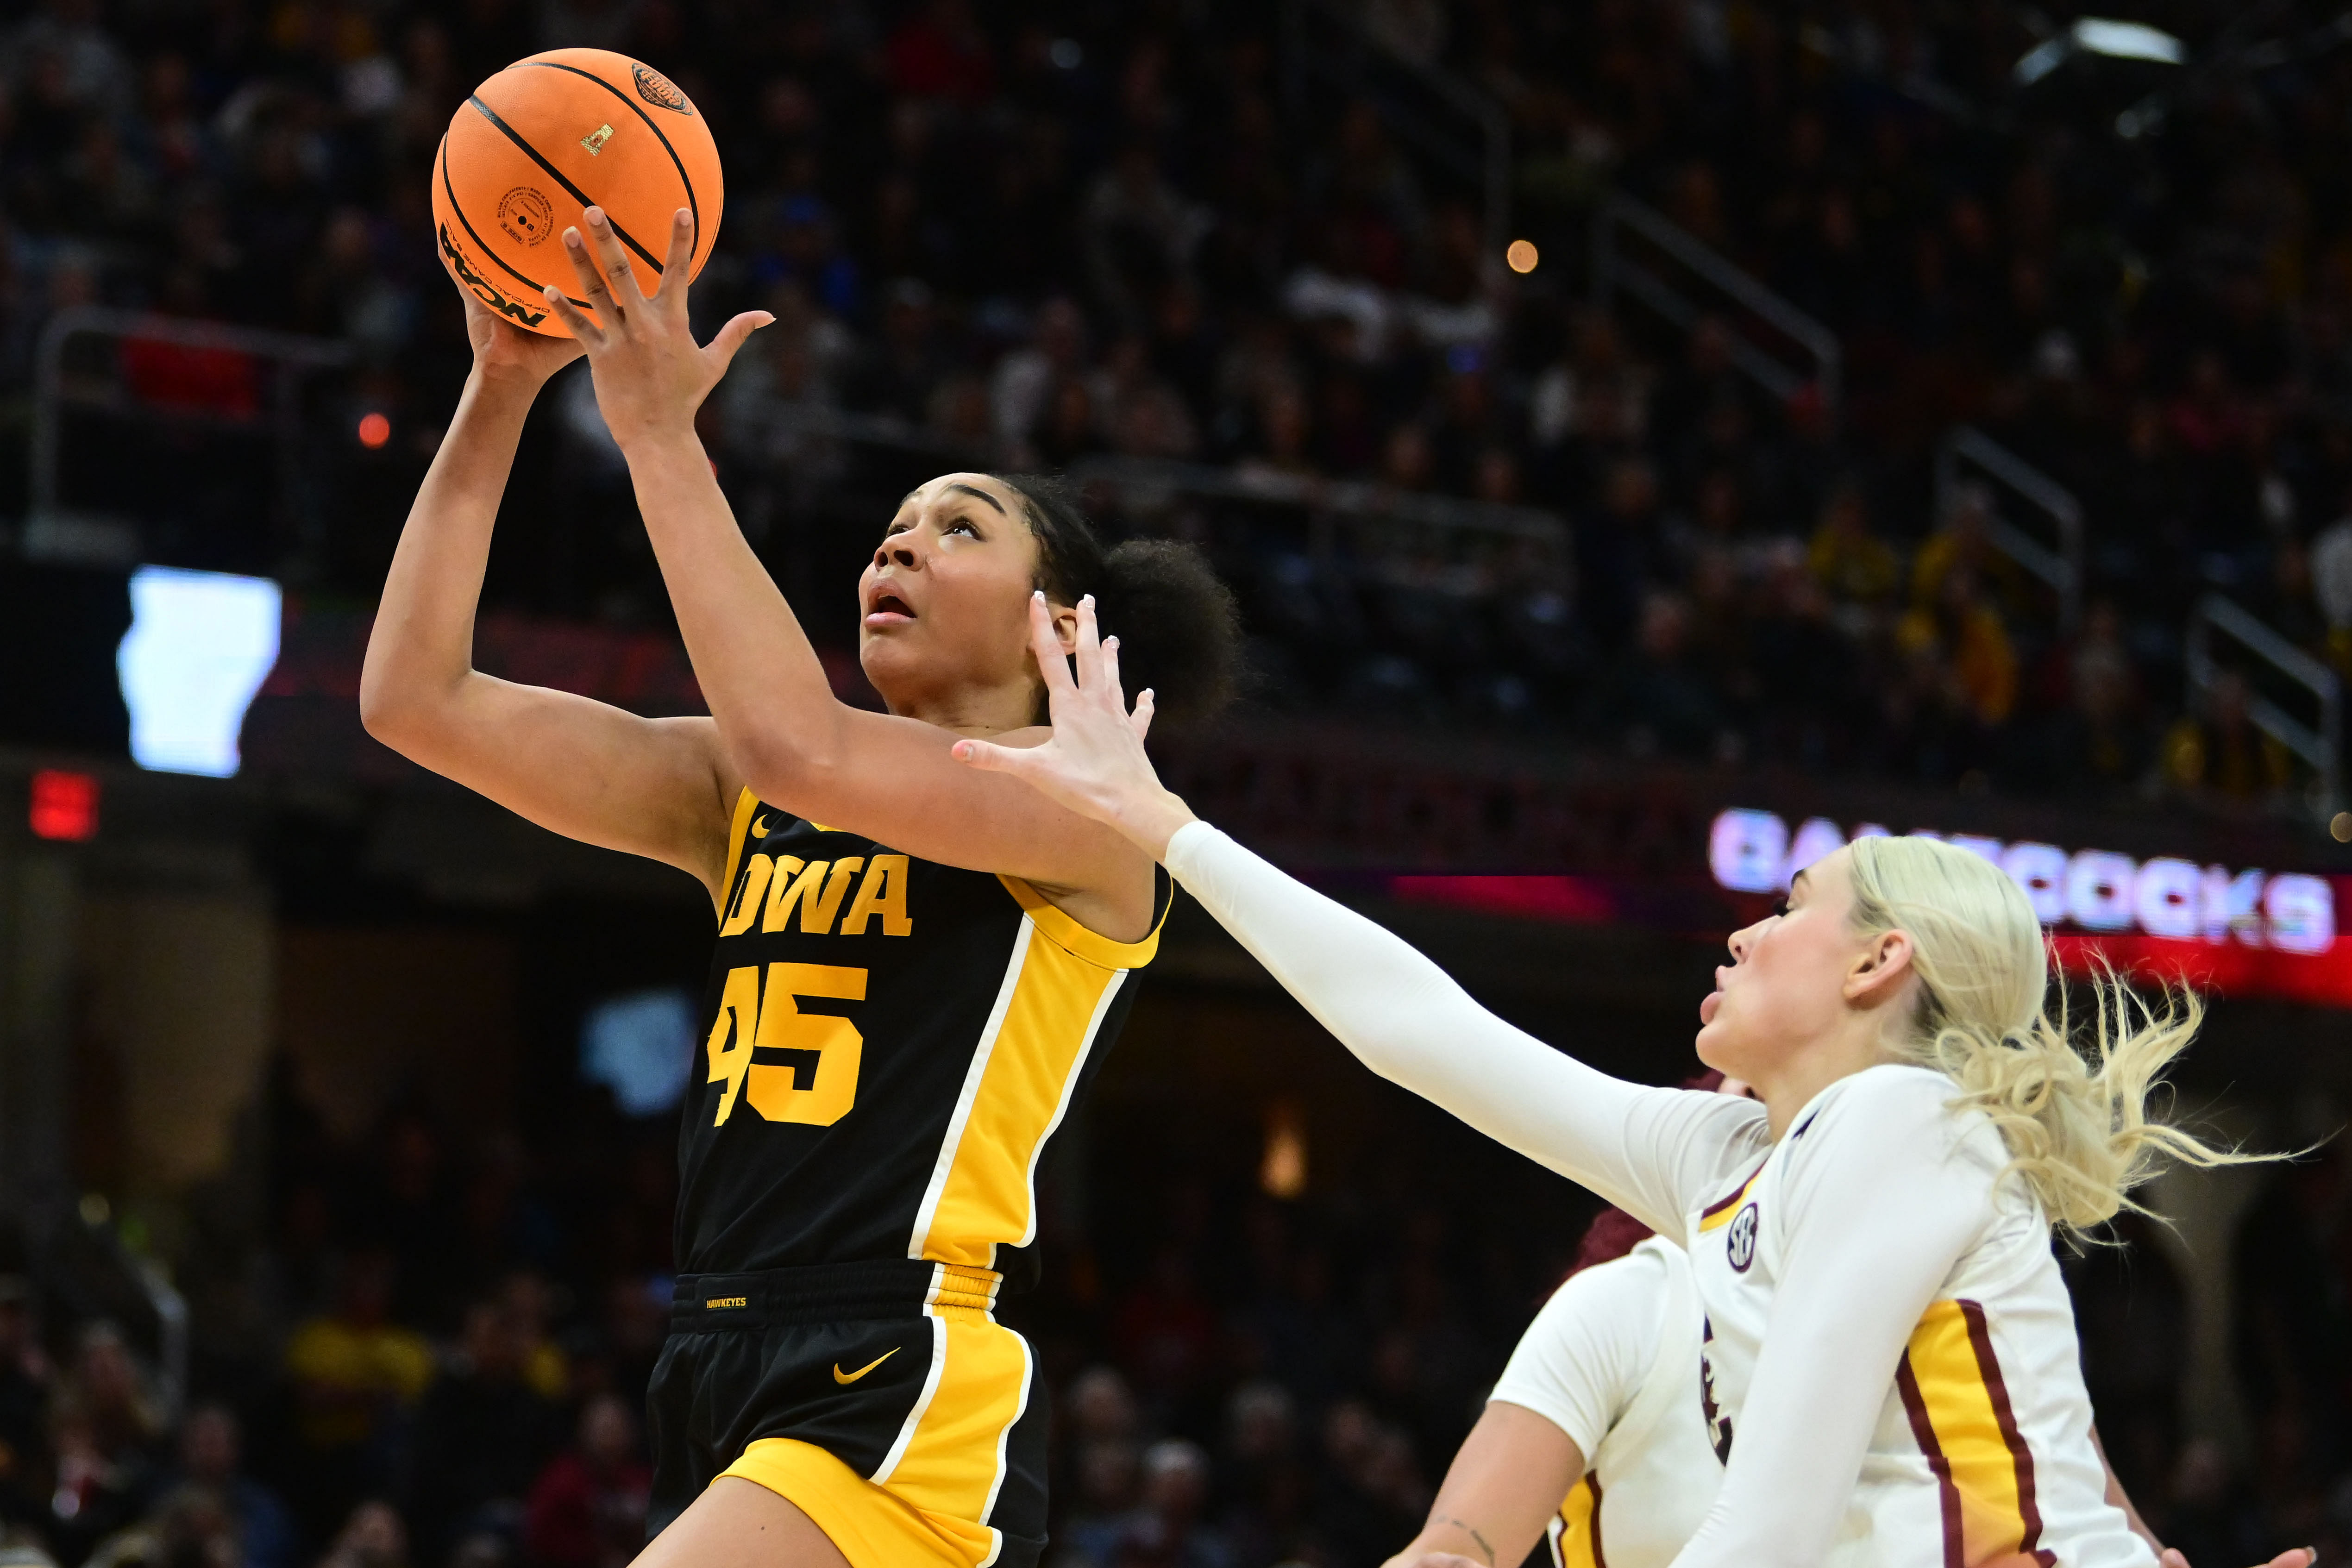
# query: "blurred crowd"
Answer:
x=434 y=1356
x=1045 y=234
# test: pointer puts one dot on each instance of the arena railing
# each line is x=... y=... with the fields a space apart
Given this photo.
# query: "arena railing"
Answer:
x=2320 y=745
x=1968 y=456
x=1140 y=480
x=207 y=376
x=1444 y=118
x=1615 y=269
x=1146 y=477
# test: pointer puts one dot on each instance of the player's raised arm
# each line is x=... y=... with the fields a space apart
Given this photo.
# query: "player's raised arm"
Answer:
x=1649 y=1151
x=656 y=787
x=942 y=612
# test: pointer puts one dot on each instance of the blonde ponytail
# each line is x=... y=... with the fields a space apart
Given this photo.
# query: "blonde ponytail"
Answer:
x=2078 y=1130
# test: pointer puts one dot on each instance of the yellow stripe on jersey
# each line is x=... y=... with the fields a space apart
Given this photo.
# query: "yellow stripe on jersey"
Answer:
x=1049 y=1019
x=1721 y=1213
x=1068 y=933
x=1578 y=1542
x=1958 y=1407
x=746 y=802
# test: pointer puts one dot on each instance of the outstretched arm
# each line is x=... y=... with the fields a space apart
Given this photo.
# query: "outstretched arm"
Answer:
x=656 y=787
x=1652 y=1152
x=799 y=745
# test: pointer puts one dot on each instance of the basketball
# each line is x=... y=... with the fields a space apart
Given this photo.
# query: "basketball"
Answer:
x=545 y=139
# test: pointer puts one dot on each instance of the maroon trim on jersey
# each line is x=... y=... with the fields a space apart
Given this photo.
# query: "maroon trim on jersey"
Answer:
x=1722 y=1203
x=1915 y=1405
x=2029 y=1510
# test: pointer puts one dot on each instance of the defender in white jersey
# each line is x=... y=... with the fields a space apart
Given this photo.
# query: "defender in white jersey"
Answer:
x=1593 y=1439
x=1886 y=1323
x=1612 y=1361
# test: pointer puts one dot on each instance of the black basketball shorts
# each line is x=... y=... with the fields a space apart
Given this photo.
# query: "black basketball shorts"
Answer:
x=883 y=1399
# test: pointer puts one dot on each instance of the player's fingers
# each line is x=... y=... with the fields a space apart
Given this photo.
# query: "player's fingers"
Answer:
x=1140 y=719
x=1053 y=660
x=574 y=320
x=592 y=278
x=1112 y=690
x=990 y=758
x=678 y=262
x=1089 y=649
x=613 y=256
x=734 y=335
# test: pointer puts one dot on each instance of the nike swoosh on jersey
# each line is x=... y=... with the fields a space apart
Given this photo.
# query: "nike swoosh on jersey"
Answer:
x=841 y=1377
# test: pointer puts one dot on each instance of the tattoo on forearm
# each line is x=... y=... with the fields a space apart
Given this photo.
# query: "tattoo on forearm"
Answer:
x=1471 y=1531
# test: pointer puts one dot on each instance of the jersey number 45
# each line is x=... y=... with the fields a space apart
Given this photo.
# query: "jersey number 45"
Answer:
x=815 y=1082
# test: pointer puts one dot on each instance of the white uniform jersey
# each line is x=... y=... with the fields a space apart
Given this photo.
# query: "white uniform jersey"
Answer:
x=1891 y=1369
x=1612 y=1360
x=1983 y=1446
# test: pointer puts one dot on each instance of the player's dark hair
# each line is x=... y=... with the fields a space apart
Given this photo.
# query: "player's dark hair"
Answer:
x=1178 y=627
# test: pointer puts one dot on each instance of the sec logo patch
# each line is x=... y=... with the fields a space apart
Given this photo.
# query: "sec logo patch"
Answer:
x=1739 y=1246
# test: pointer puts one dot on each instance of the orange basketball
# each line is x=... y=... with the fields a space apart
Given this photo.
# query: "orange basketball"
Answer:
x=545 y=139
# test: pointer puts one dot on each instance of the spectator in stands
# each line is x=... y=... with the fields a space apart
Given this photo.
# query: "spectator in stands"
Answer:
x=2216 y=755
x=106 y=1433
x=212 y=1459
x=27 y=1479
x=191 y=1527
x=1654 y=700
x=1265 y=1478
x=483 y=1434
x=372 y=1537
x=587 y=1509
x=1960 y=630
x=1167 y=1531
x=356 y=1378
x=1857 y=568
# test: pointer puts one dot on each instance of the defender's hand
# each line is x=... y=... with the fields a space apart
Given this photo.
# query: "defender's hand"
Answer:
x=505 y=352
x=2294 y=1557
x=651 y=375
x=1094 y=762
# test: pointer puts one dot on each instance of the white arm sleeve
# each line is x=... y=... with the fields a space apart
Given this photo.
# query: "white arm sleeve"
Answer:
x=1878 y=1211
x=1587 y=1352
x=1655 y=1152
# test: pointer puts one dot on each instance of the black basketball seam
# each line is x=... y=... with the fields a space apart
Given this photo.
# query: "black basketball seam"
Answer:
x=442 y=158
x=693 y=204
x=583 y=198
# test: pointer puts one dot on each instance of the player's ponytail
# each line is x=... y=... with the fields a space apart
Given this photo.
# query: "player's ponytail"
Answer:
x=1179 y=630
x=2078 y=1130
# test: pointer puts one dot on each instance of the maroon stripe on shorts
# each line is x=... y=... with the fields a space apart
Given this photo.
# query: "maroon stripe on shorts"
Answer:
x=1600 y=1558
x=2028 y=1510
x=1915 y=1405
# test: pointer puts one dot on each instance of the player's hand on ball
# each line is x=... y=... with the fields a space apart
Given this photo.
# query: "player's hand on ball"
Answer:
x=1094 y=762
x=651 y=375
x=504 y=352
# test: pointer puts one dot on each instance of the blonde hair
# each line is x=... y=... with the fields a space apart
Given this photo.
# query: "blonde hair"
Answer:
x=2077 y=1127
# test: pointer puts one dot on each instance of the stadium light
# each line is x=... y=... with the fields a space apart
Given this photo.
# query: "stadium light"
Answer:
x=200 y=645
x=2100 y=36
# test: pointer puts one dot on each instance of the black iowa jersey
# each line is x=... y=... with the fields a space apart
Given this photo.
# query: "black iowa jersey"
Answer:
x=891 y=1043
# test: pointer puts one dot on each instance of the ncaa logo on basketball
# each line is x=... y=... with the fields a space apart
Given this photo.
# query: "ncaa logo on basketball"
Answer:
x=659 y=90
x=1740 y=1245
x=526 y=215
